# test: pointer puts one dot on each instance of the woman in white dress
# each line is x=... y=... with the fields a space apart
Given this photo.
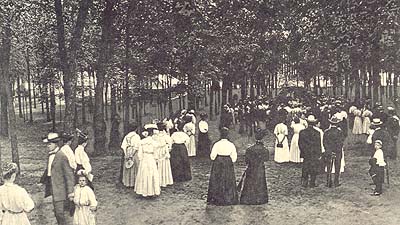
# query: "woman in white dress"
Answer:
x=82 y=159
x=294 y=144
x=85 y=203
x=164 y=144
x=281 y=143
x=15 y=202
x=358 y=123
x=190 y=129
x=130 y=160
x=147 y=180
x=366 y=115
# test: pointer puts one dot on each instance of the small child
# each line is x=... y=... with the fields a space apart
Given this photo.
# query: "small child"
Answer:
x=377 y=163
x=85 y=203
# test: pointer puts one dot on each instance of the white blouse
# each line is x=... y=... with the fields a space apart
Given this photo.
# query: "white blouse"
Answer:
x=380 y=160
x=131 y=139
x=180 y=137
x=52 y=154
x=82 y=158
x=203 y=126
x=84 y=196
x=15 y=198
x=224 y=147
x=67 y=150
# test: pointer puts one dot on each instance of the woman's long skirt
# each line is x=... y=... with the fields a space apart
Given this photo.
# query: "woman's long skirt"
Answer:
x=254 y=190
x=358 y=125
x=129 y=175
x=203 y=145
x=180 y=164
x=147 y=181
x=222 y=185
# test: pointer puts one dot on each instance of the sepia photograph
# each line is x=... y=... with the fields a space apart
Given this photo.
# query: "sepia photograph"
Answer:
x=199 y=112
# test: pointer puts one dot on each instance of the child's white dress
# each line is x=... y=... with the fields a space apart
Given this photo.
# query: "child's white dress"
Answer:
x=84 y=198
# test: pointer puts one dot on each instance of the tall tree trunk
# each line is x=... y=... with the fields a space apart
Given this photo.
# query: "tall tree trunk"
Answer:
x=83 y=98
x=68 y=56
x=5 y=53
x=211 y=104
x=105 y=101
x=48 y=117
x=243 y=88
x=19 y=97
x=4 y=111
x=115 y=119
x=53 y=105
x=105 y=54
x=28 y=70
x=41 y=98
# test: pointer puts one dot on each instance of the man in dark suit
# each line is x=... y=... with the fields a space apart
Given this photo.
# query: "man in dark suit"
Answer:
x=333 y=143
x=380 y=133
x=310 y=151
x=62 y=181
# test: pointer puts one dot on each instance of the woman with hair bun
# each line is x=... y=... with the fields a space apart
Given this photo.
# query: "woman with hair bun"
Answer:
x=15 y=202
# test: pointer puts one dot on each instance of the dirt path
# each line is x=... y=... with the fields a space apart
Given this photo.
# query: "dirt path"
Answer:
x=184 y=203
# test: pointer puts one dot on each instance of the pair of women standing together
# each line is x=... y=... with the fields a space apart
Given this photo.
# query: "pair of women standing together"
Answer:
x=222 y=188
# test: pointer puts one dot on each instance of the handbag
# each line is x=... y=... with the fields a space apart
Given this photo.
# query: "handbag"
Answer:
x=280 y=143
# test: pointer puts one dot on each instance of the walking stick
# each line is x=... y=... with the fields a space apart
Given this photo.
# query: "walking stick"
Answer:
x=387 y=173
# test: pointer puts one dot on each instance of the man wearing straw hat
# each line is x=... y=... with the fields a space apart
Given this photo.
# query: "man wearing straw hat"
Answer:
x=62 y=182
x=310 y=151
x=333 y=143
x=380 y=133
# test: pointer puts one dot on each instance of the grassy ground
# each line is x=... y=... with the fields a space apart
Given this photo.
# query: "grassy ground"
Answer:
x=184 y=203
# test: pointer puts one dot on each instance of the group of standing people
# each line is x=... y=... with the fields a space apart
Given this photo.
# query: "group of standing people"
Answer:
x=159 y=155
x=67 y=178
x=252 y=188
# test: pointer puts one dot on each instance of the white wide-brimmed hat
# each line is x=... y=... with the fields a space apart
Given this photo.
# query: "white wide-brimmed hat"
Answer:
x=376 y=121
x=311 y=119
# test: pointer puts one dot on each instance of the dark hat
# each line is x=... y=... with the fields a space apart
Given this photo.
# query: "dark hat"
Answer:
x=82 y=135
x=52 y=138
x=65 y=136
x=334 y=120
x=133 y=126
x=224 y=132
x=161 y=126
x=259 y=134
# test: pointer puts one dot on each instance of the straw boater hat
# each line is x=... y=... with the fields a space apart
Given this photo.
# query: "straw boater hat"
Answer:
x=52 y=138
x=376 y=122
x=311 y=119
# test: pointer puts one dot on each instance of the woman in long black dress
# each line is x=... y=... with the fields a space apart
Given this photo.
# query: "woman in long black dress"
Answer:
x=254 y=189
x=203 y=144
x=180 y=164
x=222 y=184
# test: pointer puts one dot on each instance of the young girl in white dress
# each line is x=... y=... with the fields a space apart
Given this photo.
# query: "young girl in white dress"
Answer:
x=85 y=203
x=15 y=202
x=281 y=143
x=148 y=179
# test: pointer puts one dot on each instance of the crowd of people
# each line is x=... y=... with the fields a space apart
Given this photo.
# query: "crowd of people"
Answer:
x=159 y=155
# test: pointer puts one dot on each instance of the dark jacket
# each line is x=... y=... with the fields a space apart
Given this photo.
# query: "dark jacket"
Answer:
x=333 y=140
x=387 y=141
x=62 y=177
x=310 y=144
